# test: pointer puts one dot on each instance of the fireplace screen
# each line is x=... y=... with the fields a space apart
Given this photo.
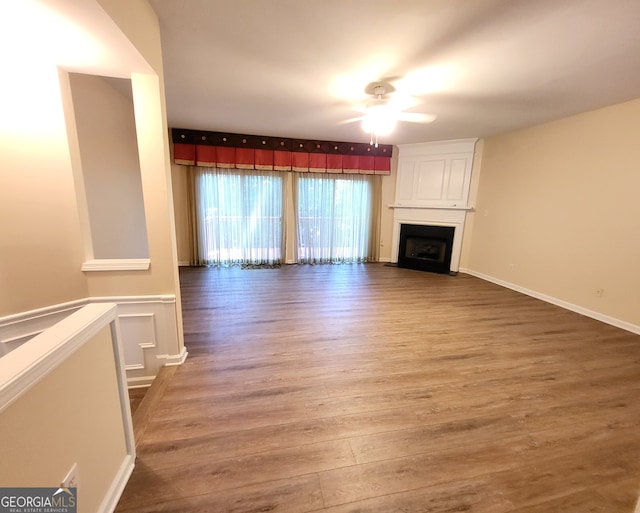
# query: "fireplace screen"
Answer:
x=425 y=247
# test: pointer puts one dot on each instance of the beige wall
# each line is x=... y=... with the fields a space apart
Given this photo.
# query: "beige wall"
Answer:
x=472 y=201
x=388 y=198
x=558 y=211
x=179 y=185
x=41 y=185
x=41 y=248
x=162 y=277
x=138 y=22
x=70 y=416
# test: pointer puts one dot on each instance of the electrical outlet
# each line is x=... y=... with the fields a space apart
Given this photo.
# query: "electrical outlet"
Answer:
x=599 y=292
x=71 y=479
x=512 y=267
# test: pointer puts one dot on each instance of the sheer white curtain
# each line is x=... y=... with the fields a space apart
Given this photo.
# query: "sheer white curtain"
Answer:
x=334 y=218
x=239 y=217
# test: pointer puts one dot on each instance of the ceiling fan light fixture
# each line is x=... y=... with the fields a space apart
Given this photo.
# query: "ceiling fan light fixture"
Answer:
x=379 y=119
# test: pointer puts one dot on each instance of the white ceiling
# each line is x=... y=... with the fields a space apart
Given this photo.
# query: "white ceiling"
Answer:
x=299 y=68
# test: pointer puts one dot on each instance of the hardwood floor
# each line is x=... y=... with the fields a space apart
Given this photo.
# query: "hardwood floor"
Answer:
x=136 y=395
x=372 y=389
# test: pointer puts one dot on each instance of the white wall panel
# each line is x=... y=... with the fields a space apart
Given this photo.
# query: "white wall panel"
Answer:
x=430 y=180
x=459 y=179
x=137 y=333
x=147 y=328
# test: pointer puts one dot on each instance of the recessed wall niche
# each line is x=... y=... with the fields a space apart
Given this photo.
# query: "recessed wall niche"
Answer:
x=106 y=132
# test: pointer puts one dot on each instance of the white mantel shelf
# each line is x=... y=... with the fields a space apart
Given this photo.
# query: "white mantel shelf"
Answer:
x=435 y=207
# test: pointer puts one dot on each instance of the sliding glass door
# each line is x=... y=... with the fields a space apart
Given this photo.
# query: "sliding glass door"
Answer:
x=333 y=218
x=240 y=217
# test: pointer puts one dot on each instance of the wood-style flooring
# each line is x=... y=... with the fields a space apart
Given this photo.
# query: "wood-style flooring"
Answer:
x=373 y=389
x=136 y=395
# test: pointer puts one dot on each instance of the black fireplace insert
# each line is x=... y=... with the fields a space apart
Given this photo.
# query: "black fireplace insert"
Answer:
x=426 y=247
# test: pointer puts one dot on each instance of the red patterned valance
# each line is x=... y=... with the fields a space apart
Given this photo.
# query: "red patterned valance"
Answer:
x=236 y=151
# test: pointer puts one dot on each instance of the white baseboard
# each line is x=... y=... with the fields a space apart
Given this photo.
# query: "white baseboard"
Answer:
x=140 y=381
x=633 y=328
x=174 y=359
x=118 y=484
x=384 y=259
x=138 y=385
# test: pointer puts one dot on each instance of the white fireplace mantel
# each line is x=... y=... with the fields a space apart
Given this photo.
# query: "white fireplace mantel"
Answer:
x=445 y=207
x=432 y=188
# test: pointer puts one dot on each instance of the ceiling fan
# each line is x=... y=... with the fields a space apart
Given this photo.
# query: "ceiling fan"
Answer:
x=385 y=108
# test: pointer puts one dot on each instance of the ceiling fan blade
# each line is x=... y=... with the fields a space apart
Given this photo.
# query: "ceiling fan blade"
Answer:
x=416 y=117
x=351 y=120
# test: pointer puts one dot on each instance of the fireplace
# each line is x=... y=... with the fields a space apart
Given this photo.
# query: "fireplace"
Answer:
x=433 y=188
x=426 y=247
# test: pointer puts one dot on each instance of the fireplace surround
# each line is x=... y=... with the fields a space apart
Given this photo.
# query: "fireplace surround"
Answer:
x=432 y=190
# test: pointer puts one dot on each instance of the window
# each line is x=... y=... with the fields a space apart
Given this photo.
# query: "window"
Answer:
x=334 y=218
x=239 y=217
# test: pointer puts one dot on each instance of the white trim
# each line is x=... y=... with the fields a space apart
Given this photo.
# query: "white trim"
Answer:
x=134 y=366
x=117 y=264
x=21 y=339
x=140 y=381
x=431 y=217
x=12 y=327
x=183 y=263
x=25 y=366
x=435 y=207
x=633 y=328
x=117 y=486
x=28 y=364
x=384 y=259
x=8 y=345
x=123 y=391
x=164 y=298
x=438 y=147
x=30 y=315
x=19 y=329
x=432 y=188
x=173 y=359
